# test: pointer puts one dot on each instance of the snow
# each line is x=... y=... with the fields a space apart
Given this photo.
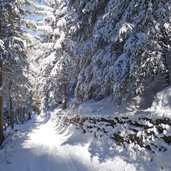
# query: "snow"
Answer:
x=45 y=144
x=100 y=108
x=61 y=22
x=21 y=41
x=105 y=51
x=59 y=41
x=49 y=59
x=44 y=28
x=126 y=27
x=134 y=41
x=42 y=145
x=162 y=104
x=160 y=107
x=2 y=45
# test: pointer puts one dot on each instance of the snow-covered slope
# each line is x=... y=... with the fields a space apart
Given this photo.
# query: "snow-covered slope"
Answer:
x=162 y=104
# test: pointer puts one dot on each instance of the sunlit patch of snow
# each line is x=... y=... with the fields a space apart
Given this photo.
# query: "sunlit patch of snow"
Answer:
x=42 y=144
x=162 y=104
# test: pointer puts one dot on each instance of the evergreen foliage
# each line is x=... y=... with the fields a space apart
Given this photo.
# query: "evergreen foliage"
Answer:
x=106 y=51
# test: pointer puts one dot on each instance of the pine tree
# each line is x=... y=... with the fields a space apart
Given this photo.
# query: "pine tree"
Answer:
x=120 y=52
x=1 y=65
x=64 y=87
x=15 y=28
x=11 y=115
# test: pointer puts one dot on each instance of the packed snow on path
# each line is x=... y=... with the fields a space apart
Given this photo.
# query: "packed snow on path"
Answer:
x=41 y=145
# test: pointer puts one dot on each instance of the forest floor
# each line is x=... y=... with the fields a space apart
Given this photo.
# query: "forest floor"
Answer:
x=42 y=144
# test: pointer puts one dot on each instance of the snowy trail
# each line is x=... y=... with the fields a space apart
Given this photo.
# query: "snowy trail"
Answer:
x=41 y=149
x=42 y=146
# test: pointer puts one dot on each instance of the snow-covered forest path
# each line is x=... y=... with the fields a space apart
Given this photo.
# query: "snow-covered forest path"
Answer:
x=42 y=145
x=40 y=148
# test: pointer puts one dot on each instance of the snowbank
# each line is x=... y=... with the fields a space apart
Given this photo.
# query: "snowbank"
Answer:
x=162 y=103
x=103 y=107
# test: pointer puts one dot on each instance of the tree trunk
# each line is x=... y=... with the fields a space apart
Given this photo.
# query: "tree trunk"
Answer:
x=1 y=120
x=30 y=107
x=19 y=114
x=1 y=108
x=11 y=115
x=168 y=66
x=55 y=96
x=64 y=93
x=22 y=115
x=29 y=115
x=0 y=73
